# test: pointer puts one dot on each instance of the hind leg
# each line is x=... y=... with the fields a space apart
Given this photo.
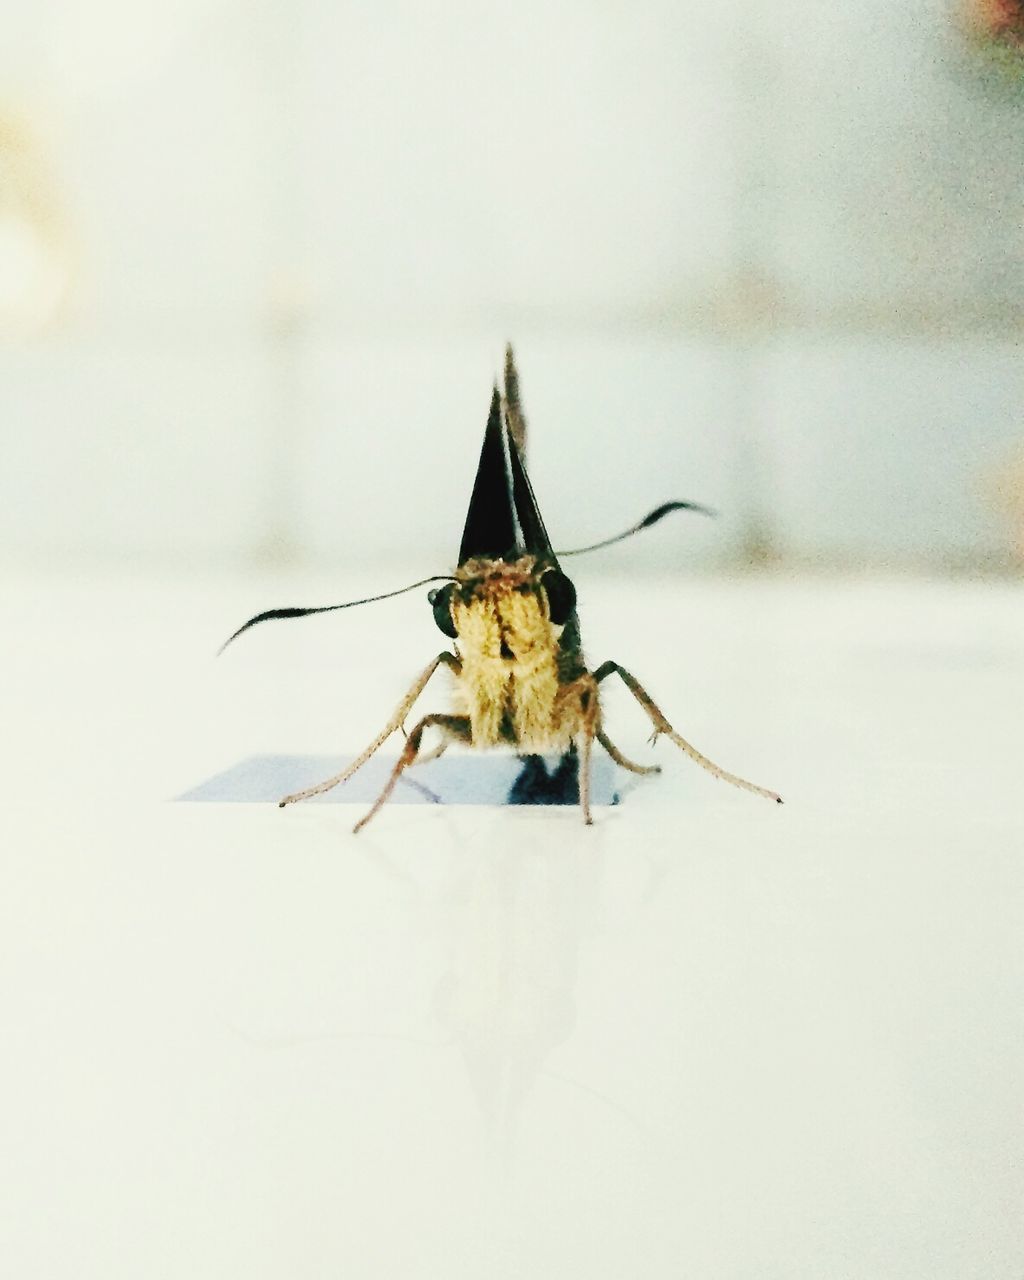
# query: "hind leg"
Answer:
x=622 y=760
x=661 y=725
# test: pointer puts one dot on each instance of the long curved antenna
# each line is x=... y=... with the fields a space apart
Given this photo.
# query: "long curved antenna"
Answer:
x=328 y=608
x=652 y=517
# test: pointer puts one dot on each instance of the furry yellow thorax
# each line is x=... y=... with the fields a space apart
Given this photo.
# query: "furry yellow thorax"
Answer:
x=508 y=648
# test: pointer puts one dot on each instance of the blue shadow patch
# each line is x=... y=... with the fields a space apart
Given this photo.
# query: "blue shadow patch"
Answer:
x=468 y=780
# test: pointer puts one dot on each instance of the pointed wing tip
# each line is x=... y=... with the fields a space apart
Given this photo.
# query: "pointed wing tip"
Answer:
x=495 y=413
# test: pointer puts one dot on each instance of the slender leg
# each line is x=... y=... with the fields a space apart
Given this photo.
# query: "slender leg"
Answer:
x=589 y=706
x=513 y=405
x=436 y=754
x=396 y=722
x=622 y=760
x=454 y=726
x=661 y=725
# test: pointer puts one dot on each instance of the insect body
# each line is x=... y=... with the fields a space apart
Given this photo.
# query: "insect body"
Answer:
x=521 y=679
x=512 y=683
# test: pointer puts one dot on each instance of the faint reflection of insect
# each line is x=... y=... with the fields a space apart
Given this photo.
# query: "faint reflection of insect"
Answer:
x=521 y=679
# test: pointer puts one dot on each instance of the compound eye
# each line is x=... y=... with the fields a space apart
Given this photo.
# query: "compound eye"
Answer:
x=561 y=596
x=441 y=600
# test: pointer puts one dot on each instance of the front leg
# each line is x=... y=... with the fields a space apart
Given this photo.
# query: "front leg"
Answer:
x=661 y=725
x=394 y=723
x=455 y=727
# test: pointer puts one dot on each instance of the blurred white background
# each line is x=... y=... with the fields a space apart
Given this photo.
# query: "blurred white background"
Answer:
x=257 y=263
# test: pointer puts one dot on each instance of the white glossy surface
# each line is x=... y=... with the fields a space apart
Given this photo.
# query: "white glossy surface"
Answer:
x=707 y=1037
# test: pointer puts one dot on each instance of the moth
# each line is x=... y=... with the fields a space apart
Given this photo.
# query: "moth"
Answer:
x=521 y=680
